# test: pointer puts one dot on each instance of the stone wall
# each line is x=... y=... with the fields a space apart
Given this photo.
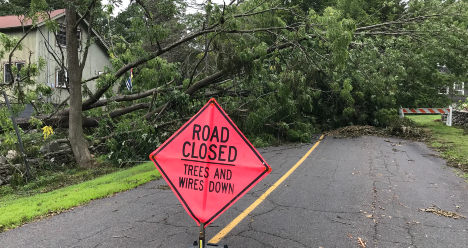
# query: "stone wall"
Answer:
x=458 y=117
x=52 y=153
x=7 y=168
x=5 y=171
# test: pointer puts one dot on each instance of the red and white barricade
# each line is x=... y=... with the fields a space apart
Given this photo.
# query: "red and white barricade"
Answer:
x=447 y=111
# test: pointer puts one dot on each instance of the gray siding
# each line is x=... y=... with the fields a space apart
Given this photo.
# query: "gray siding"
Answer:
x=96 y=61
x=36 y=45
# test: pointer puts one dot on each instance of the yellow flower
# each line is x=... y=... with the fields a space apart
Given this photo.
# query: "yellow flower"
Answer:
x=47 y=131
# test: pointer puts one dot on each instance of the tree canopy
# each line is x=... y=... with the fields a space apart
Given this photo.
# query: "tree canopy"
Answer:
x=281 y=69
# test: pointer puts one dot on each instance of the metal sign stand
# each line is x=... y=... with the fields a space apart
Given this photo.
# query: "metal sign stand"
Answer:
x=201 y=239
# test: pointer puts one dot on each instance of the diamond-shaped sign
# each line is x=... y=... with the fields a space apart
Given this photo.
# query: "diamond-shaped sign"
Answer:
x=209 y=164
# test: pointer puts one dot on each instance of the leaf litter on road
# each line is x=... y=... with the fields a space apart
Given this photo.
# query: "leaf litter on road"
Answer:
x=164 y=187
x=399 y=131
x=440 y=212
x=361 y=242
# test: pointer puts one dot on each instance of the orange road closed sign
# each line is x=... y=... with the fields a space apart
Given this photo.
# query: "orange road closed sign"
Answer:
x=209 y=164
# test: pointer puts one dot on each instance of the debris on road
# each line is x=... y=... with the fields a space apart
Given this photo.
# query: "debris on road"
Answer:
x=362 y=243
x=397 y=130
x=440 y=212
x=164 y=187
x=355 y=131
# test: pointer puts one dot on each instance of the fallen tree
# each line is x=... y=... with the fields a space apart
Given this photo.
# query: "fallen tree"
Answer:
x=282 y=72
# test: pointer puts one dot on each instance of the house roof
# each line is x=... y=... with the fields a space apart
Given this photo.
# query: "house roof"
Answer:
x=13 y=21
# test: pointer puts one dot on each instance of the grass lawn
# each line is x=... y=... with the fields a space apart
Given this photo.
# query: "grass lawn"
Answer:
x=451 y=142
x=17 y=211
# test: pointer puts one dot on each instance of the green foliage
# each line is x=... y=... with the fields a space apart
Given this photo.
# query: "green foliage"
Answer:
x=261 y=142
x=449 y=141
x=462 y=105
x=5 y=120
x=17 y=180
x=20 y=7
x=32 y=151
x=27 y=205
x=35 y=122
x=340 y=63
x=7 y=43
x=131 y=141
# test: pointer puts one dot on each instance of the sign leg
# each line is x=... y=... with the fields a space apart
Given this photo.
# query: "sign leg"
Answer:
x=201 y=237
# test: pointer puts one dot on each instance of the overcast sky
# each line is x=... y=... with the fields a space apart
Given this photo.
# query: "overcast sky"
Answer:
x=125 y=4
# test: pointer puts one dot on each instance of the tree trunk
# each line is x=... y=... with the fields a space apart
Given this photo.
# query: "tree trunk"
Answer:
x=78 y=143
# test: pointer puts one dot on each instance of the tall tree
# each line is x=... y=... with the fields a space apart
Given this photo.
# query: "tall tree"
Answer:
x=78 y=143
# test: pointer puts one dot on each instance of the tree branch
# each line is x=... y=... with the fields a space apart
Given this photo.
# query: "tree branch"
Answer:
x=162 y=110
x=261 y=29
x=396 y=22
x=124 y=98
x=62 y=64
x=148 y=15
x=88 y=11
x=11 y=55
x=205 y=82
x=90 y=32
x=123 y=111
x=260 y=12
x=199 y=62
x=58 y=107
x=138 y=62
x=49 y=48
x=153 y=55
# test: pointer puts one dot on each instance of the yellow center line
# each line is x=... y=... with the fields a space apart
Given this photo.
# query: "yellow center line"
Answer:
x=238 y=219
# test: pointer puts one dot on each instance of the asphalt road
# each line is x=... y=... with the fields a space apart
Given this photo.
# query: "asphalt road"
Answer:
x=346 y=189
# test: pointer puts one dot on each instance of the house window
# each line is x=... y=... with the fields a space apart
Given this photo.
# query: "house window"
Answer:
x=6 y=71
x=62 y=37
x=60 y=79
x=444 y=90
x=459 y=88
x=20 y=66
